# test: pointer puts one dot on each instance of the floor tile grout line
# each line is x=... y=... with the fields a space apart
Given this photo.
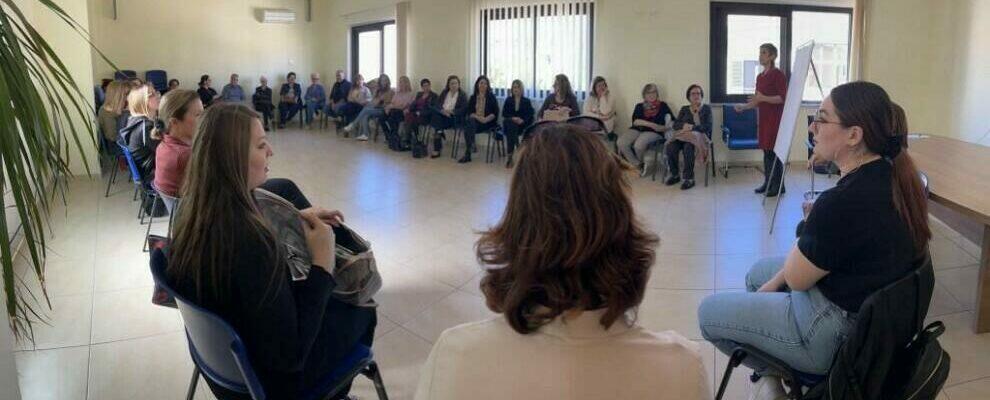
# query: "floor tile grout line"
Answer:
x=965 y=382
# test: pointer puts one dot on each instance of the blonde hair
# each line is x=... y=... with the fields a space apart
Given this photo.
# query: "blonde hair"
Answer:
x=404 y=84
x=137 y=101
x=116 y=97
x=174 y=104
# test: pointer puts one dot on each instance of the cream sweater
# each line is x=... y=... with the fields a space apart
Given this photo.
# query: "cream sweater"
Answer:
x=576 y=359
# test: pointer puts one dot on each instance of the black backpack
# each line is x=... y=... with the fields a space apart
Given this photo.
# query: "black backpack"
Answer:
x=888 y=355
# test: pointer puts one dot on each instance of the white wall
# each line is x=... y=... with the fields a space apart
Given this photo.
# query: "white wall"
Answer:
x=189 y=38
x=970 y=88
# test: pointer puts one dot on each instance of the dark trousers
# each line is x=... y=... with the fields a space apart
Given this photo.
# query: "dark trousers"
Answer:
x=266 y=112
x=675 y=147
x=350 y=111
x=512 y=132
x=440 y=124
x=288 y=190
x=287 y=111
x=771 y=162
x=392 y=121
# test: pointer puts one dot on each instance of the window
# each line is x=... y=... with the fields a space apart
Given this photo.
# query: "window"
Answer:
x=534 y=43
x=738 y=30
x=373 y=50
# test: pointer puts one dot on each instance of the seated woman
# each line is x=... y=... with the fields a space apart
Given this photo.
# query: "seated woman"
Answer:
x=483 y=115
x=359 y=96
x=207 y=94
x=649 y=125
x=290 y=100
x=448 y=113
x=866 y=232
x=396 y=110
x=562 y=103
x=601 y=104
x=517 y=114
x=696 y=117
x=110 y=112
x=383 y=93
x=418 y=113
x=177 y=116
x=567 y=272
x=143 y=105
x=225 y=258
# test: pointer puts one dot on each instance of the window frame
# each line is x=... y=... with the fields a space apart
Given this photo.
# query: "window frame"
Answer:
x=718 y=45
x=356 y=30
x=539 y=10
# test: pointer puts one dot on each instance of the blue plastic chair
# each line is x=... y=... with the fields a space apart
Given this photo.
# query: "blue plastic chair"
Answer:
x=158 y=78
x=739 y=130
x=124 y=75
x=219 y=354
x=144 y=189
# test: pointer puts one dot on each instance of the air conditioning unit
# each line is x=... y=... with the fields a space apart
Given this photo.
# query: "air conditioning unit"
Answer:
x=277 y=16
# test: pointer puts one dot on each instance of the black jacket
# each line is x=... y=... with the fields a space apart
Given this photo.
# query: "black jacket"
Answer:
x=491 y=107
x=137 y=135
x=525 y=110
x=339 y=91
x=419 y=109
x=704 y=115
x=262 y=98
x=550 y=103
x=639 y=113
x=460 y=107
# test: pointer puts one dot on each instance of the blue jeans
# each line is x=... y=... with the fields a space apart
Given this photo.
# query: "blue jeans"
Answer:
x=363 y=119
x=311 y=108
x=802 y=329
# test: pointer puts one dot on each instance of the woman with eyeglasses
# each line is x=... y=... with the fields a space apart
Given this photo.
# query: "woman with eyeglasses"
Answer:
x=868 y=231
x=649 y=124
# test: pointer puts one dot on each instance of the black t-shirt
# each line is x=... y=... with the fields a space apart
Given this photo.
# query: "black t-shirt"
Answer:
x=855 y=233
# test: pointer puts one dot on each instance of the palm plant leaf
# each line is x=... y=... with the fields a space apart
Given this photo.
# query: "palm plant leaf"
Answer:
x=47 y=120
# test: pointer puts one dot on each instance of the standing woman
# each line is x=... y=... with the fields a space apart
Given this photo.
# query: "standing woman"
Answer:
x=179 y=111
x=601 y=104
x=207 y=94
x=143 y=105
x=771 y=88
x=696 y=117
x=483 y=108
x=517 y=114
x=397 y=109
x=649 y=125
x=226 y=258
x=447 y=114
x=374 y=109
x=562 y=100
x=868 y=231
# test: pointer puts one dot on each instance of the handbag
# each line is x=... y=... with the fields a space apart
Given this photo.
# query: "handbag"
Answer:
x=355 y=269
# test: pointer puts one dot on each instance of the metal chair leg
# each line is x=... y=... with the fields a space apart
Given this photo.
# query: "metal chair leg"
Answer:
x=192 y=383
x=456 y=144
x=151 y=221
x=113 y=177
x=489 y=156
x=373 y=373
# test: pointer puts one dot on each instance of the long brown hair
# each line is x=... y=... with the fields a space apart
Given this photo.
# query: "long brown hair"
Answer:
x=174 y=104
x=884 y=125
x=217 y=209
x=568 y=238
x=564 y=86
x=116 y=99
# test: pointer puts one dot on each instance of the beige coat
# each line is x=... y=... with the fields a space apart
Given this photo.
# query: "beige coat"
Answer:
x=576 y=359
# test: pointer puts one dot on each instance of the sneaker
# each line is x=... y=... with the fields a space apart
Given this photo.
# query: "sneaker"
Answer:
x=688 y=183
x=349 y=128
x=643 y=170
x=671 y=181
x=363 y=138
x=768 y=388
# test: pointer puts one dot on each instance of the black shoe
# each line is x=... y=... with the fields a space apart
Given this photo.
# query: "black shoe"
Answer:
x=773 y=193
x=267 y=129
x=672 y=180
x=435 y=155
x=508 y=163
x=465 y=159
x=761 y=189
x=688 y=183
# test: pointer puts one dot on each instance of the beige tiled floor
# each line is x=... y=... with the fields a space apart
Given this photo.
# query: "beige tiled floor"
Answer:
x=106 y=341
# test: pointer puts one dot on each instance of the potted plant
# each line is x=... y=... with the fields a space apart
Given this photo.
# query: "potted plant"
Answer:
x=44 y=118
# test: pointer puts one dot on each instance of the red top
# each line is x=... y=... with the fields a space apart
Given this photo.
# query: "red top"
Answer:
x=771 y=82
x=171 y=158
